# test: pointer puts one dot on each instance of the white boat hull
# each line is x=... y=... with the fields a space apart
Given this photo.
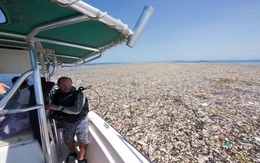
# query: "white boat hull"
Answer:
x=107 y=145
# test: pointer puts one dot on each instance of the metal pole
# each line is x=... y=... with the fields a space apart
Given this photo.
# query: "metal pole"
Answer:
x=141 y=23
x=39 y=100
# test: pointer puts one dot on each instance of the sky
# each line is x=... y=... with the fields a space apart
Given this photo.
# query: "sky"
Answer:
x=188 y=30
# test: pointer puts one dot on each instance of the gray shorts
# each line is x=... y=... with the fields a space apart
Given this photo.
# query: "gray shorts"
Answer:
x=79 y=128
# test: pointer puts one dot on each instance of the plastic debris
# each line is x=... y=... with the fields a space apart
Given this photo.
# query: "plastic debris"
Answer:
x=116 y=127
x=228 y=144
x=190 y=108
x=242 y=138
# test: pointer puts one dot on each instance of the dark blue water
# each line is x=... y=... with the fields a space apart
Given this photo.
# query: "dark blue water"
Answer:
x=7 y=79
x=238 y=62
x=105 y=63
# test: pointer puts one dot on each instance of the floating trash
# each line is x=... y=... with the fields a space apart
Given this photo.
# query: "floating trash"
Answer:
x=242 y=138
x=116 y=126
x=179 y=112
x=204 y=104
x=228 y=144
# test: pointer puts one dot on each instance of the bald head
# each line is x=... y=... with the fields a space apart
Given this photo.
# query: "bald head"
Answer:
x=65 y=84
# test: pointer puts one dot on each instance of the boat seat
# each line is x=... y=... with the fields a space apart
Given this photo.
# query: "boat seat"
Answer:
x=46 y=88
x=23 y=136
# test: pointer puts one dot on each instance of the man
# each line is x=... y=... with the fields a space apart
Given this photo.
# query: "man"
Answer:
x=23 y=92
x=74 y=108
x=12 y=124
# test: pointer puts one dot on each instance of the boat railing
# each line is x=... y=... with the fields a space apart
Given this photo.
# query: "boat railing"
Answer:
x=11 y=93
x=20 y=110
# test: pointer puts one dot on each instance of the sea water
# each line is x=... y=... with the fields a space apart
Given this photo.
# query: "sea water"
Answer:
x=7 y=79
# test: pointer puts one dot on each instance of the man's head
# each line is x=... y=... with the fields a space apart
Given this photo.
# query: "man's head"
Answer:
x=65 y=84
x=14 y=79
x=23 y=85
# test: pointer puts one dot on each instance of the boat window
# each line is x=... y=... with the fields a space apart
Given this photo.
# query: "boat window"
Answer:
x=2 y=17
x=7 y=79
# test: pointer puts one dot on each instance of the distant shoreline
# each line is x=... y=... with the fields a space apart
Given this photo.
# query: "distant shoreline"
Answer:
x=238 y=62
x=6 y=78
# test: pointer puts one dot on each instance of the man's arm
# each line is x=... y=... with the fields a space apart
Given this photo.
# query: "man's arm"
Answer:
x=75 y=109
x=2 y=88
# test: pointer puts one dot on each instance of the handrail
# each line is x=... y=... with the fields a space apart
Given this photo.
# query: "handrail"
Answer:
x=20 y=110
x=56 y=137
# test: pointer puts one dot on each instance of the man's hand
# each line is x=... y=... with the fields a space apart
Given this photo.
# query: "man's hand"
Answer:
x=51 y=107
x=2 y=88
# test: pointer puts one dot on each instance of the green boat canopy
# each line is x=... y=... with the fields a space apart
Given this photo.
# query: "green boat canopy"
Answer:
x=73 y=31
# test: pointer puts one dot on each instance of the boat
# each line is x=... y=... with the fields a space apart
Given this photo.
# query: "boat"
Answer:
x=37 y=37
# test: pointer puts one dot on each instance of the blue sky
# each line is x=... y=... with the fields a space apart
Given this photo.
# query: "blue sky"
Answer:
x=188 y=30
